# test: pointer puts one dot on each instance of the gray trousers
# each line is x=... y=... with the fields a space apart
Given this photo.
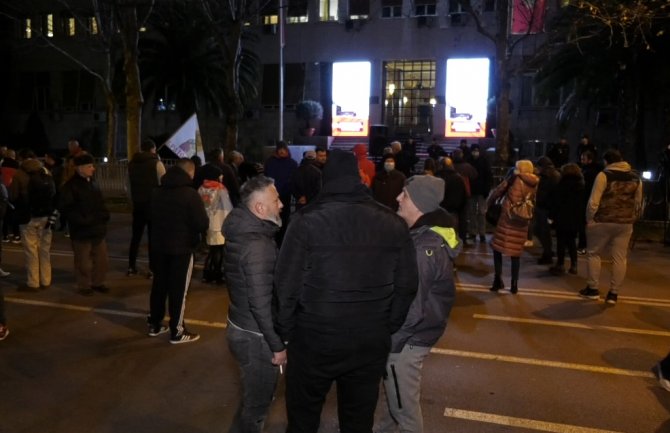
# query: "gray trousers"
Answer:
x=608 y=238
x=402 y=385
x=258 y=378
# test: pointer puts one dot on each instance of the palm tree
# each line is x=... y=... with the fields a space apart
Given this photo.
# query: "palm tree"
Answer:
x=182 y=57
x=179 y=58
x=603 y=67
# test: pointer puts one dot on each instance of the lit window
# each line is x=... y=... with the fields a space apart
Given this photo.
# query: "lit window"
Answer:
x=27 y=28
x=295 y=20
x=270 y=19
x=50 y=25
x=297 y=12
x=70 y=26
x=93 y=25
x=328 y=10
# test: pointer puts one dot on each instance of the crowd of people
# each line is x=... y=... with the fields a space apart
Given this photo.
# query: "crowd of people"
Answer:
x=295 y=243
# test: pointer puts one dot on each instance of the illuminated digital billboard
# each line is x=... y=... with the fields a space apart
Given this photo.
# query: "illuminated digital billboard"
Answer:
x=351 y=99
x=466 y=97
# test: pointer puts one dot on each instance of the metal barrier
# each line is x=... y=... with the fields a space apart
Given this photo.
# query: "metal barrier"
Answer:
x=112 y=177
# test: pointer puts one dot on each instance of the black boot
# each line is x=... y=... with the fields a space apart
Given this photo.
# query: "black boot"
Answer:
x=497 y=284
x=514 y=287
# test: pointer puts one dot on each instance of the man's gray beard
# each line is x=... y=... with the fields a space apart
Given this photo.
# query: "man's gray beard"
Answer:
x=275 y=219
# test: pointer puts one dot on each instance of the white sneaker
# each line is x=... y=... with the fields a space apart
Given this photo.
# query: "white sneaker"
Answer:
x=4 y=274
x=528 y=244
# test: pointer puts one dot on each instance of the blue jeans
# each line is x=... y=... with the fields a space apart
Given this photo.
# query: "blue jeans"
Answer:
x=258 y=378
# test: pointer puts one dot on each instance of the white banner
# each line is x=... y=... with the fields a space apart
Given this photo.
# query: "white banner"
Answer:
x=186 y=142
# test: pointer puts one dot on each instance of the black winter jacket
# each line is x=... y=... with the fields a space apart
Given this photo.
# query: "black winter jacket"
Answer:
x=143 y=176
x=250 y=256
x=567 y=204
x=178 y=215
x=455 y=191
x=82 y=203
x=437 y=246
x=346 y=263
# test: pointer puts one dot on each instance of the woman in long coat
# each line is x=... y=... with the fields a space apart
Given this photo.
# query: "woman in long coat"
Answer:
x=510 y=234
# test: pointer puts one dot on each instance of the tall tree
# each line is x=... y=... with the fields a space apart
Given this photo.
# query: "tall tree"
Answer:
x=531 y=15
x=99 y=24
x=129 y=28
x=613 y=52
x=234 y=40
x=181 y=62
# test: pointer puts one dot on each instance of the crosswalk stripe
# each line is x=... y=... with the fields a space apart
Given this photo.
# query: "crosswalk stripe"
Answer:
x=542 y=362
x=571 y=325
x=556 y=294
x=520 y=422
x=107 y=311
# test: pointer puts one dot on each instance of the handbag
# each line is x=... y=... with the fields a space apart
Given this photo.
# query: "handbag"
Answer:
x=494 y=210
x=523 y=210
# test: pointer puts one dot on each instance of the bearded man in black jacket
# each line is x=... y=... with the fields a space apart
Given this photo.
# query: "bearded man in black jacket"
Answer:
x=251 y=253
x=345 y=278
x=178 y=217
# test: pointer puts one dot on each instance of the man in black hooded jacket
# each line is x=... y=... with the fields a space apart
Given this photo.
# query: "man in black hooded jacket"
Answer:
x=178 y=217
x=345 y=278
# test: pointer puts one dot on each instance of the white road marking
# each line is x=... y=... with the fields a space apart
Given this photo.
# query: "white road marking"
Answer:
x=557 y=294
x=571 y=325
x=542 y=362
x=520 y=422
x=106 y=311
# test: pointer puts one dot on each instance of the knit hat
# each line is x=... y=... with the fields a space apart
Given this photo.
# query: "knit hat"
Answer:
x=309 y=154
x=83 y=159
x=340 y=164
x=426 y=192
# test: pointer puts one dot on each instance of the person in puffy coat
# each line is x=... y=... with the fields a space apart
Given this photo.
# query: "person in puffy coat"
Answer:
x=510 y=233
x=250 y=257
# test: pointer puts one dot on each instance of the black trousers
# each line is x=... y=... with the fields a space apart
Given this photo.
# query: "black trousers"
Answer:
x=566 y=240
x=172 y=276
x=543 y=231
x=140 y=220
x=354 y=359
x=212 y=271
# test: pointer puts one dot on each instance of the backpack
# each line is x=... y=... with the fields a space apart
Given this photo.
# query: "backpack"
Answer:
x=41 y=193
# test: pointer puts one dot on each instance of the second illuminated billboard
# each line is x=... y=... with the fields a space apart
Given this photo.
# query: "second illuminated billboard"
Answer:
x=466 y=97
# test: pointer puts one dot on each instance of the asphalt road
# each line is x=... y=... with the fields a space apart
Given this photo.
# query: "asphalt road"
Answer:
x=543 y=360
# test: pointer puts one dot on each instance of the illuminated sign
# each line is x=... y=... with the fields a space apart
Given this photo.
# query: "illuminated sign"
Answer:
x=351 y=99
x=466 y=97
